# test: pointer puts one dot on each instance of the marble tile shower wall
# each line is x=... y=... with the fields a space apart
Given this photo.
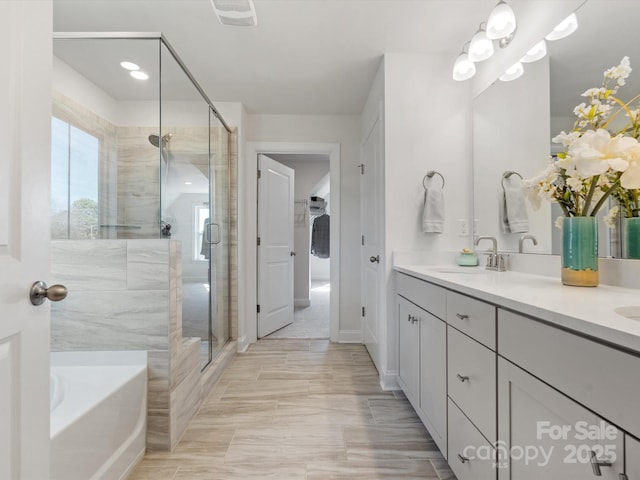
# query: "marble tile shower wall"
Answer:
x=125 y=295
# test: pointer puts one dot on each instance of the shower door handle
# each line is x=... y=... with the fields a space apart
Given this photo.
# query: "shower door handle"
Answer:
x=218 y=240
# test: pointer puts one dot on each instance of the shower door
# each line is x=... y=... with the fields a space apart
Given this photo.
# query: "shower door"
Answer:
x=193 y=156
x=219 y=234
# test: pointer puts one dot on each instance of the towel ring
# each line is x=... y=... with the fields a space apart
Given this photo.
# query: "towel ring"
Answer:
x=508 y=174
x=430 y=174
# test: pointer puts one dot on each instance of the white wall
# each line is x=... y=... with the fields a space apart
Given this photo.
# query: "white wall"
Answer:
x=322 y=129
x=307 y=175
x=427 y=118
x=74 y=85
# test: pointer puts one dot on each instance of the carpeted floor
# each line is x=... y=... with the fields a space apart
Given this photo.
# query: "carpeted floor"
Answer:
x=312 y=321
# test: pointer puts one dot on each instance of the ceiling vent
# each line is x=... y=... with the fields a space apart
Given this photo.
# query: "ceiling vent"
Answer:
x=237 y=13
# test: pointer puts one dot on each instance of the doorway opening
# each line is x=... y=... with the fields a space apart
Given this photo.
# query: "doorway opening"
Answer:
x=312 y=265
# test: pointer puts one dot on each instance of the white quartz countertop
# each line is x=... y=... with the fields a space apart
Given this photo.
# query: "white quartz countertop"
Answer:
x=589 y=311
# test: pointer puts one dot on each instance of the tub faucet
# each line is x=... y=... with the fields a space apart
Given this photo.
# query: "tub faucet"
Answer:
x=526 y=237
x=495 y=260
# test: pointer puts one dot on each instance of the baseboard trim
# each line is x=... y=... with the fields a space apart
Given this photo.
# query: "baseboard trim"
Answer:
x=389 y=380
x=350 y=336
x=301 y=302
x=242 y=343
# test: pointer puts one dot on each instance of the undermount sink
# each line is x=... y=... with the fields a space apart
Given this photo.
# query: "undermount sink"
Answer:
x=632 y=313
x=465 y=270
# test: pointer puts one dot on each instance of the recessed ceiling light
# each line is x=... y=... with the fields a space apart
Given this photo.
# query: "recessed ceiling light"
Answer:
x=129 y=65
x=139 y=75
x=187 y=183
x=237 y=13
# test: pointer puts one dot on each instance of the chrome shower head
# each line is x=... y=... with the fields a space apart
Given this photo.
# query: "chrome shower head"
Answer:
x=155 y=140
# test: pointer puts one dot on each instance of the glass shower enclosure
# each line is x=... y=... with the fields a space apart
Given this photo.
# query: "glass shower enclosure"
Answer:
x=140 y=152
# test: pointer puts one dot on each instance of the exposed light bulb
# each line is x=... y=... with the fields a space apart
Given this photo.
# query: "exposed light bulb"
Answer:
x=502 y=21
x=564 y=28
x=463 y=68
x=538 y=51
x=514 y=71
x=480 y=48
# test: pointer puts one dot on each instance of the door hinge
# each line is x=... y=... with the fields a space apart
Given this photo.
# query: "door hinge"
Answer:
x=361 y=167
x=259 y=173
x=363 y=311
x=363 y=240
x=258 y=309
x=258 y=241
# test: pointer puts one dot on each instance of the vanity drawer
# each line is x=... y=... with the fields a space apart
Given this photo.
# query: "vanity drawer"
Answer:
x=464 y=443
x=473 y=317
x=472 y=380
x=598 y=376
x=427 y=296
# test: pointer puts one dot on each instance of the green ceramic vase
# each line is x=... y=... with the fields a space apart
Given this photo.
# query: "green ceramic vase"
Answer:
x=631 y=237
x=580 y=251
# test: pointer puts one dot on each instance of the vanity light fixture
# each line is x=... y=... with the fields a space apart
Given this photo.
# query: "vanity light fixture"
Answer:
x=538 y=51
x=237 y=13
x=514 y=71
x=139 y=75
x=481 y=47
x=564 y=28
x=129 y=65
x=463 y=68
x=502 y=21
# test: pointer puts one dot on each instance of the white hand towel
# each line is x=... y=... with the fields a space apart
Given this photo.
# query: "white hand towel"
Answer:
x=433 y=211
x=514 y=216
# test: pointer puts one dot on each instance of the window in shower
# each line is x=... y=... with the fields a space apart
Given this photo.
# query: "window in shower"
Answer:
x=74 y=182
x=200 y=249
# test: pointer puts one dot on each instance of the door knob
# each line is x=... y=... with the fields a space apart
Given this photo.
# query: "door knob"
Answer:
x=375 y=259
x=39 y=292
x=293 y=254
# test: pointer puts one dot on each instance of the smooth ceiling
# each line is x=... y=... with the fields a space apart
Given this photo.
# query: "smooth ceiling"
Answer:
x=304 y=57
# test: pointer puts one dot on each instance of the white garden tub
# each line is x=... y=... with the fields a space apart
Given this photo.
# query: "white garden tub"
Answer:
x=98 y=414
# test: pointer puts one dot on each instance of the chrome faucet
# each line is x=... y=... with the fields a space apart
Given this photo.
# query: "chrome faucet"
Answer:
x=495 y=260
x=526 y=237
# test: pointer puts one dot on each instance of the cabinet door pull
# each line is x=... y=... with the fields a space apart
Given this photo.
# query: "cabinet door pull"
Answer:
x=462 y=316
x=462 y=378
x=596 y=464
x=463 y=459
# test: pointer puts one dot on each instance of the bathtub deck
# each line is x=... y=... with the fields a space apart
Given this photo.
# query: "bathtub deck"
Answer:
x=301 y=409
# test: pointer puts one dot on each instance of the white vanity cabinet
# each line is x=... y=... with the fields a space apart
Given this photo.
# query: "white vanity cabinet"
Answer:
x=409 y=355
x=544 y=434
x=632 y=458
x=422 y=354
x=528 y=395
x=471 y=382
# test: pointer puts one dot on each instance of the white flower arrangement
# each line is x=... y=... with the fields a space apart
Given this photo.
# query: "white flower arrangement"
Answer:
x=596 y=162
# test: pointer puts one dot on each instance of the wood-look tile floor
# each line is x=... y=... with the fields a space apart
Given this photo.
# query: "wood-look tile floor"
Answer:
x=300 y=410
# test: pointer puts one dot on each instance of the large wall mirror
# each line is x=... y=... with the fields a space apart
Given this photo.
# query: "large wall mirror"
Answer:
x=513 y=122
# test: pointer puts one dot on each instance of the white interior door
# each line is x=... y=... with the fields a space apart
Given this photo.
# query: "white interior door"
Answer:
x=275 y=250
x=25 y=136
x=372 y=241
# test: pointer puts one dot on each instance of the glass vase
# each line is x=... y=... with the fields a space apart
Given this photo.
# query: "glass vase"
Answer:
x=631 y=237
x=580 y=251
